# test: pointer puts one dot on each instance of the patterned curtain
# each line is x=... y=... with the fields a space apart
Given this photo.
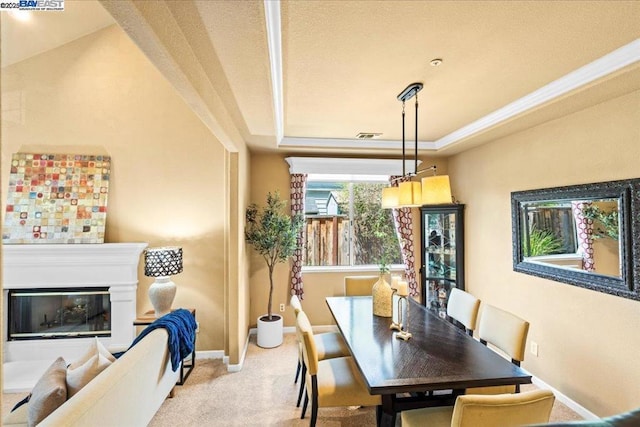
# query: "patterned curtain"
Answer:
x=298 y=187
x=403 y=223
x=585 y=232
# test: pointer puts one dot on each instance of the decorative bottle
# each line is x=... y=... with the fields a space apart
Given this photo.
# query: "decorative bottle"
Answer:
x=382 y=298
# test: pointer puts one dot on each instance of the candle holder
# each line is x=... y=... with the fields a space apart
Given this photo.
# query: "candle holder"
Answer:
x=403 y=329
x=396 y=326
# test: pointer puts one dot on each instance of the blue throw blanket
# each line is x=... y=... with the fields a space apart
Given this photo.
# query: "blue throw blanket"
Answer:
x=181 y=327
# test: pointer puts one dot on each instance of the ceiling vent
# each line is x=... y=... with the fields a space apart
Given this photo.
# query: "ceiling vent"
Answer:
x=368 y=135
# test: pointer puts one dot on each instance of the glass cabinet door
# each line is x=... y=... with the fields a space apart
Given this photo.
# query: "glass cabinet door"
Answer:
x=442 y=254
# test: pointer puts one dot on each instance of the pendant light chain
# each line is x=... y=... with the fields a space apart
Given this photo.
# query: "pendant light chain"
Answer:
x=415 y=159
x=403 y=155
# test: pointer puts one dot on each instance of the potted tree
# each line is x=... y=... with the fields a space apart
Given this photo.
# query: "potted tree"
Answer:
x=273 y=234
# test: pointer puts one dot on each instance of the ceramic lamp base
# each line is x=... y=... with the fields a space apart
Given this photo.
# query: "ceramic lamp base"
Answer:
x=161 y=294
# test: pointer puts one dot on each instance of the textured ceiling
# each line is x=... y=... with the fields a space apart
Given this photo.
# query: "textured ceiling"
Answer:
x=48 y=30
x=344 y=63
x=347 y=60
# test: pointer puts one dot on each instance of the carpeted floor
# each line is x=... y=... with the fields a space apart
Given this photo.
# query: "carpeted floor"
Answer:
x=262 y=394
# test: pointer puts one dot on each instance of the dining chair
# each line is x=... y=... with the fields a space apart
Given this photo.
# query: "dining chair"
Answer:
x=508 y=333
x=359 y=285
x=463 y=308
x=504 y=410
x=330 y=382
x=328 y=344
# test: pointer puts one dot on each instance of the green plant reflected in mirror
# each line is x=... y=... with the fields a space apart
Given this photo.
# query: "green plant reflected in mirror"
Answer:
x=585 y=235
x=578 y=234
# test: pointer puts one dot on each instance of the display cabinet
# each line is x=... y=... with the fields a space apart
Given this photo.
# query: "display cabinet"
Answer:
x=442 y=248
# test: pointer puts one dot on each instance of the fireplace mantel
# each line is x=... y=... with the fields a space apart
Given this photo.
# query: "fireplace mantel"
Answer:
x=111 y=265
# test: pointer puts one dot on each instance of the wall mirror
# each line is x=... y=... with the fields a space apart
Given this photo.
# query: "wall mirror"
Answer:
x=585 y=235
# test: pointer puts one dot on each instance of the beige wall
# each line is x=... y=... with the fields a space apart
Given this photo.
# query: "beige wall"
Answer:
x=588 y=341
x=269 y=173
x=169 y=173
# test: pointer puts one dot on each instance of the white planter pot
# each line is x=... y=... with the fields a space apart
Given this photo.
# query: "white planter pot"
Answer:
x=269 y=332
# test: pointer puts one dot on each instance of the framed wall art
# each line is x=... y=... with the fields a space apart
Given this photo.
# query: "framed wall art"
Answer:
x=56 y=198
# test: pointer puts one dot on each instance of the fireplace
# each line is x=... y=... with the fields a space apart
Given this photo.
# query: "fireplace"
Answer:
x=58 y=313
x=85 y=290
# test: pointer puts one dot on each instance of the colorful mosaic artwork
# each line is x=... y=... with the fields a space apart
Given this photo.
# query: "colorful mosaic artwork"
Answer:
x=56 y=198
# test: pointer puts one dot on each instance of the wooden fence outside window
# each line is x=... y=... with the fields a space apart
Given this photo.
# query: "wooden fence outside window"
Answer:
x=327 y=241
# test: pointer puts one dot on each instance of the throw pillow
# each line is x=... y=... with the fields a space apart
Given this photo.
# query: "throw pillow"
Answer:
x=80 y=376
x=94 y=349
x=49 y=392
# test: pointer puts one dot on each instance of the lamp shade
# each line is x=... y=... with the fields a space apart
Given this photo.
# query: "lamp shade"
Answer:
x=162 y=262
x=410 y=194
x=390 y=197
x=436 y=190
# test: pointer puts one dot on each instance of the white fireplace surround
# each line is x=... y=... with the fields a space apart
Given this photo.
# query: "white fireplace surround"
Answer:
x=110 y=265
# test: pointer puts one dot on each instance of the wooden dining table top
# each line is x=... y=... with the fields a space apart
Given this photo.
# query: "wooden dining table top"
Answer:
x=439 y=356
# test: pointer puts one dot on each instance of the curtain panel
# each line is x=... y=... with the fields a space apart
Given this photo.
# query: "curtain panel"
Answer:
x=585 y=235
x=403 y=223
x=298 y=190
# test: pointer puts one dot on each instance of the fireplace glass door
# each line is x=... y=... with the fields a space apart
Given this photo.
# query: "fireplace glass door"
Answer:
x=59 y=313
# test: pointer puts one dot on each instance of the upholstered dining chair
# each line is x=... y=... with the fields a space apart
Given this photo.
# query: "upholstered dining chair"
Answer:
x=330 y=382
x=328 y=345
x=359 y=285
x=504 y=410
x=463 y=307
x=508 y=333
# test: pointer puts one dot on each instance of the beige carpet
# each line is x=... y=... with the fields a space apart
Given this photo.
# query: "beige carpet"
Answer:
x=262 y=394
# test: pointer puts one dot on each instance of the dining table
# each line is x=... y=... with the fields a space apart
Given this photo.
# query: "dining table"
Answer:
x=431 y=368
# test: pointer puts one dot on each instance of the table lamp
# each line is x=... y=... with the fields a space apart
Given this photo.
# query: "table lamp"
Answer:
x=162 y=263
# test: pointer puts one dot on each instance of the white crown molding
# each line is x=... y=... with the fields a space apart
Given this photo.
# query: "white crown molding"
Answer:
x=274 y=39
x=358 y=144
x=348 y=166
x=610 y=63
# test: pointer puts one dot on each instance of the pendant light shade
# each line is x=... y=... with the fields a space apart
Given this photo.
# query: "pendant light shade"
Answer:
x=390 y=197
x=436 y=190
x=410 y=194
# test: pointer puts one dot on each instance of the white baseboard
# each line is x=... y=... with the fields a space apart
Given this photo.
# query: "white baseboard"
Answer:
x=238 y=367
x=572 y=404
x=210 y=354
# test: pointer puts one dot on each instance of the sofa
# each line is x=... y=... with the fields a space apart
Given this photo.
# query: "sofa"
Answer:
x=127 y=393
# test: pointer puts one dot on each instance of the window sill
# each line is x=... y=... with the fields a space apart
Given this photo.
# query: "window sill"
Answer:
x=399 y=268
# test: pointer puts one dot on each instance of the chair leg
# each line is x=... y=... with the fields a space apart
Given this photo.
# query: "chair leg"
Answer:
x=297 y=373
x=303 y=380
x=304 y=405
x=314 y=401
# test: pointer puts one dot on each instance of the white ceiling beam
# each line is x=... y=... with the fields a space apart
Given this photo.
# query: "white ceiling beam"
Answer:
x=274 y=38
x=369 y=144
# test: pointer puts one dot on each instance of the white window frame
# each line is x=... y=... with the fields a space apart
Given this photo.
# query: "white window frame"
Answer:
x=349 y=178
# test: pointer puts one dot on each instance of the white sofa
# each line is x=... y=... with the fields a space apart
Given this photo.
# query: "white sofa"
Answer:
x=127 y=393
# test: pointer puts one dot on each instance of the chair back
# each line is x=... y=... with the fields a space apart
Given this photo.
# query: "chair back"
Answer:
x=463 y=307
x=294 y=302
x=505 y=331
x=359 y=285
x=305 y=335
x=504 y=410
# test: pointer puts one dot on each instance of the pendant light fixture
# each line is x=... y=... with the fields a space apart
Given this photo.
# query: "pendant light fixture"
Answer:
x=432 y=190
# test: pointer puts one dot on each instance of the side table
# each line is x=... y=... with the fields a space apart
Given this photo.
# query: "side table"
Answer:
x=185 y=369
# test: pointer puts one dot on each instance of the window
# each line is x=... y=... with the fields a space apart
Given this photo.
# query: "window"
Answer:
x=344 y=223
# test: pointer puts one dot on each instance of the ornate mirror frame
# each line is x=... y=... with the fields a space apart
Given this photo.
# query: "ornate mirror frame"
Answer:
x=628 y=194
